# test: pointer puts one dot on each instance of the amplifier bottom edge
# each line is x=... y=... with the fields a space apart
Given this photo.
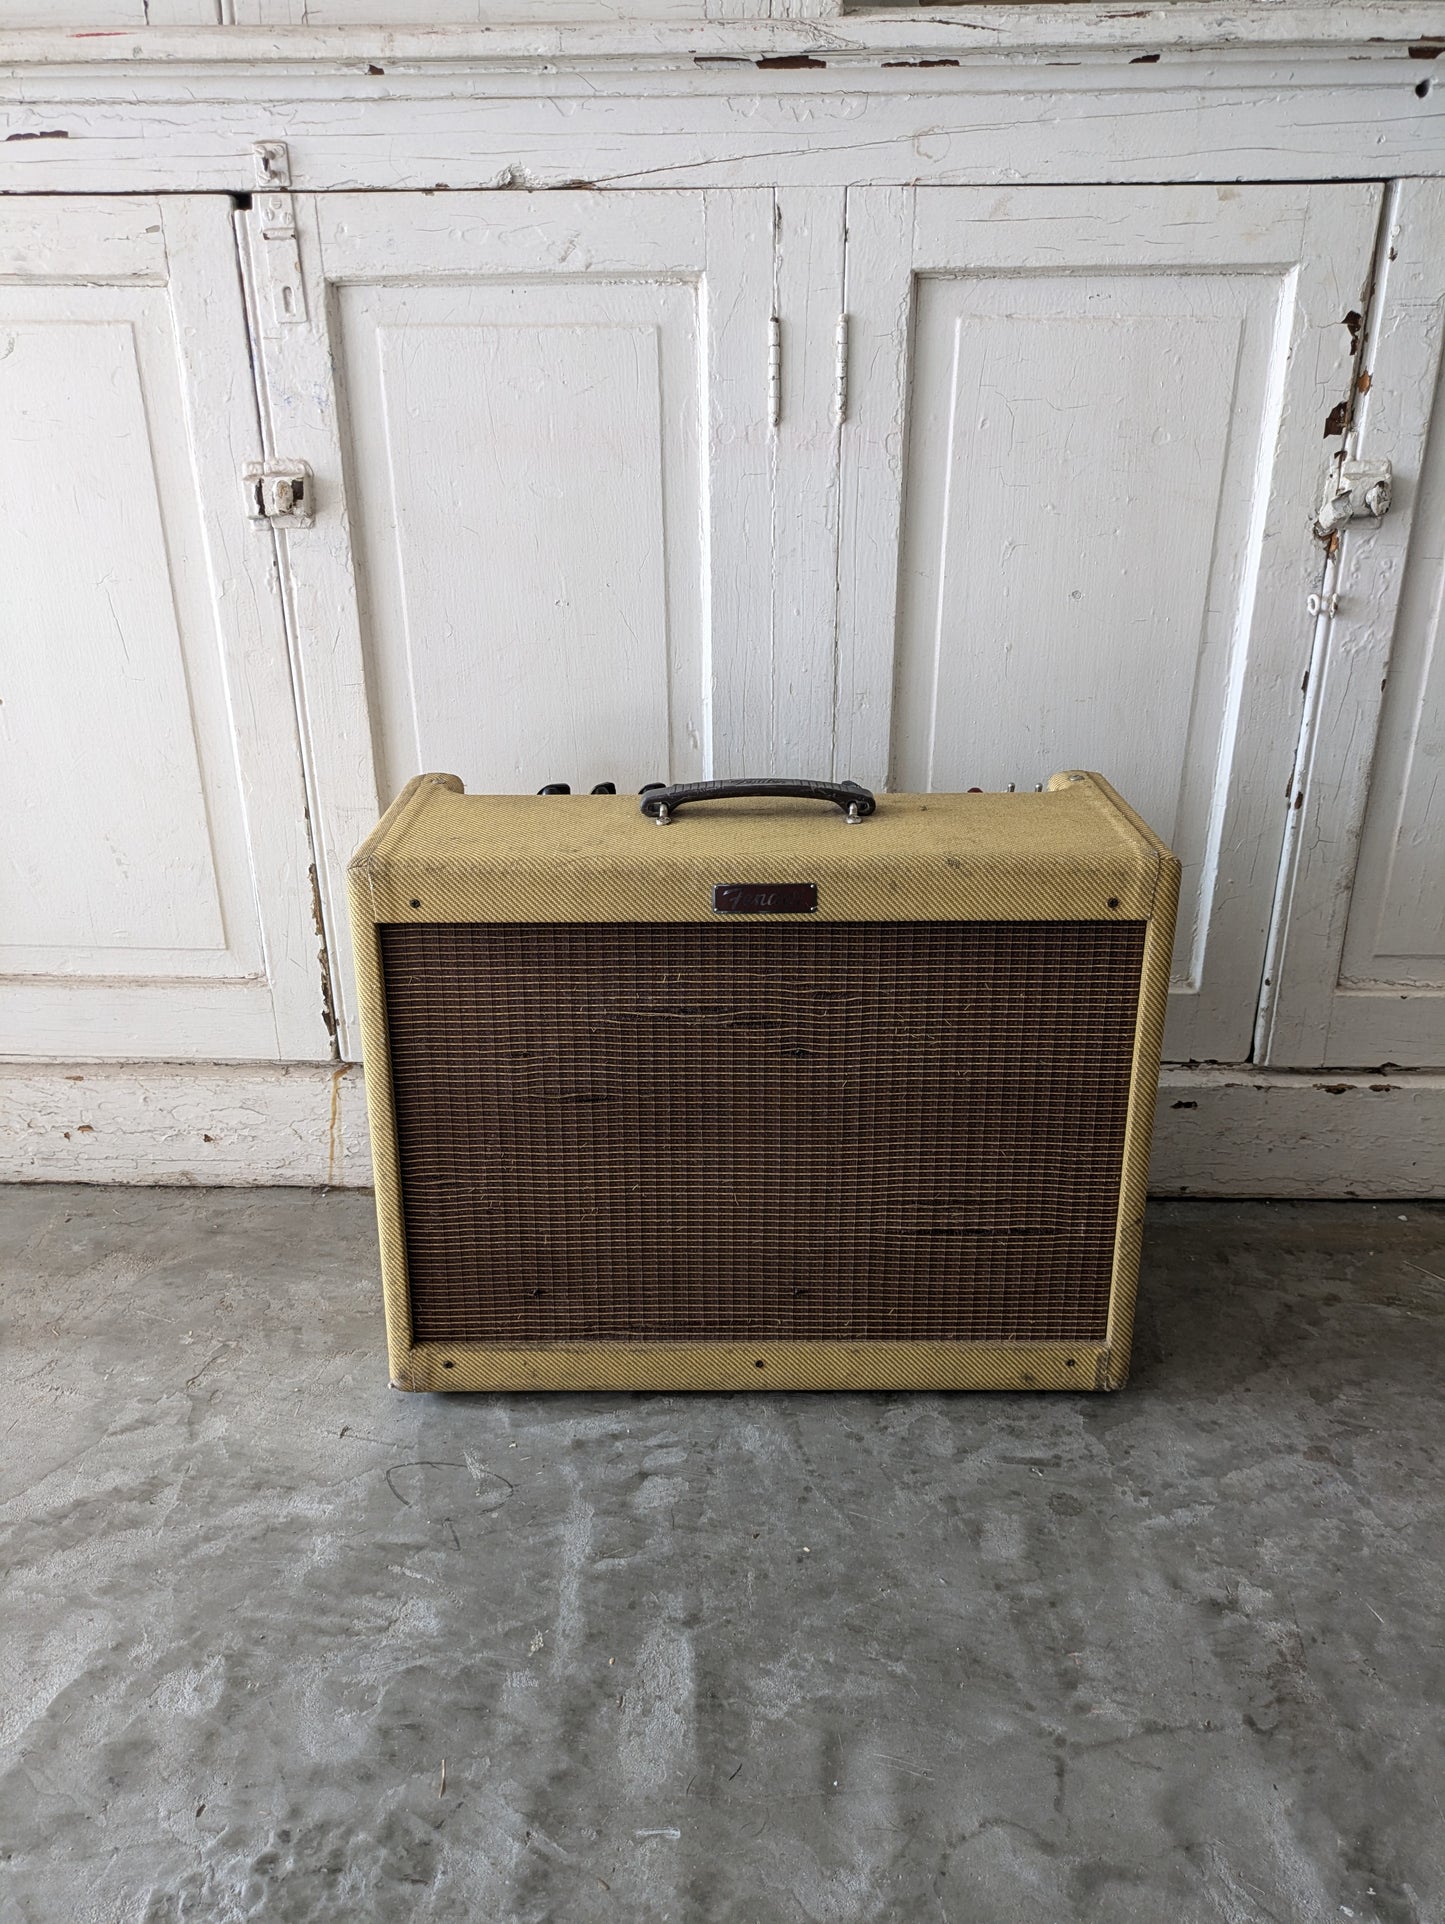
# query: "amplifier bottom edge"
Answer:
x=732 y=1365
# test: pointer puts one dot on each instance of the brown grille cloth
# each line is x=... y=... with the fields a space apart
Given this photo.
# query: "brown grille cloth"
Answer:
x=838 y=1130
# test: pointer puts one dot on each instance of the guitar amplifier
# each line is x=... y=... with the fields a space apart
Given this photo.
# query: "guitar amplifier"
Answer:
x=761 y=1084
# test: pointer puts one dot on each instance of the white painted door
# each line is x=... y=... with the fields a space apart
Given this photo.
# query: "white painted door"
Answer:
x=1087 y=433
x=154 y=890
x=1358 y=978
x=540 y=430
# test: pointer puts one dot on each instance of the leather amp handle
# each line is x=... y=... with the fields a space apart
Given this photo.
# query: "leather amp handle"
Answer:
x=663 y=802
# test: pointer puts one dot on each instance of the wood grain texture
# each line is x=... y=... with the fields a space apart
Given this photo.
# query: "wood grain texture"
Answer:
x=649 y=121
x=981 y=32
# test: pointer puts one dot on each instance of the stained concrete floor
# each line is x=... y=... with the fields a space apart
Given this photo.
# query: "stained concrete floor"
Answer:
x=1165 y=1656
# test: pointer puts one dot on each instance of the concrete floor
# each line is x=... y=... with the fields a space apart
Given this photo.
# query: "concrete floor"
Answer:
x=1166 y=1656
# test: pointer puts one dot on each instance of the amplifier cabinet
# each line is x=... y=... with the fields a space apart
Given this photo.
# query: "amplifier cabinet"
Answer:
x=751 y=1090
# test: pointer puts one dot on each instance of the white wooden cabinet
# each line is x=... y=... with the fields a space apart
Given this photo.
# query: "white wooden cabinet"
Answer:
x=154 y=894
x=716 y=419
x=1087 y=436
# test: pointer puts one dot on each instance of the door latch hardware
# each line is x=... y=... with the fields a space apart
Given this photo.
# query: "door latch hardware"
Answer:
x=1354 y=491
x=273 y=163
x=279 y=492
x=280 y=256
x=276 y=244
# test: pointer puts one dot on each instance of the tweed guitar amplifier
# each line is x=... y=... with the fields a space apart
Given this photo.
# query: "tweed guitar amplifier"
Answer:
x=761 y=1084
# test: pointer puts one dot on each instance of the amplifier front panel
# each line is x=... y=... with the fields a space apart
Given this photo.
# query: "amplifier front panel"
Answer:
x=824 y=1132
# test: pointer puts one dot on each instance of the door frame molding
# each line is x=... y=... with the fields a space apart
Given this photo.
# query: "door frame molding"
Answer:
x=1285 y=93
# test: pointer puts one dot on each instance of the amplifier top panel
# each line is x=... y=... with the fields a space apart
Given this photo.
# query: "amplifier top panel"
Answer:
x=1072 y=852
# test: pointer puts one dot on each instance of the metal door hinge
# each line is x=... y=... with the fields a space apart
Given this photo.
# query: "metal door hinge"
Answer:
x=1354 y=491
x=840 y=372
x=279 y=492
x=278 y=254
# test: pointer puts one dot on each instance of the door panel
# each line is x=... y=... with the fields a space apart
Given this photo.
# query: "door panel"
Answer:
x=1086 y=443
x=1039 y=502
x=154 y=899
x=510 y=452
x=1358 y=977
x=539 y=427
x=73 y=405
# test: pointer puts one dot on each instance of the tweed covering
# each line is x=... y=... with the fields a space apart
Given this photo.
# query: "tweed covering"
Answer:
x=1067 y=854
x=753 y=1366
x=1073 y=853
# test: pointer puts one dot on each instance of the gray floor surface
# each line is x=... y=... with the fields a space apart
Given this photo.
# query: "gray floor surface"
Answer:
x=1158 y=1657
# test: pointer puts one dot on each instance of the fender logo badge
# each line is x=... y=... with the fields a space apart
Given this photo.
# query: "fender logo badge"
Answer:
x=764 y=898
